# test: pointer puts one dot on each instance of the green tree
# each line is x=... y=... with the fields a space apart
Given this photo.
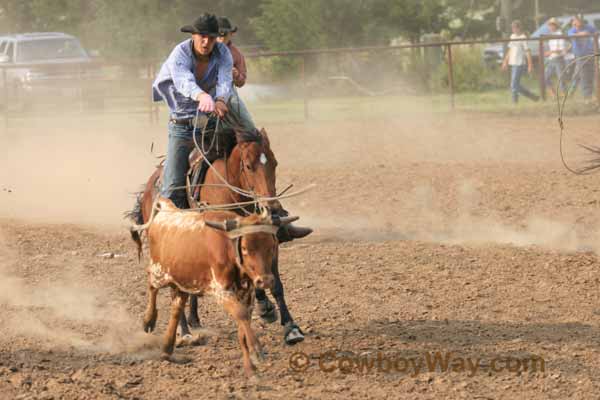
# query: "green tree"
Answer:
x=290 y=25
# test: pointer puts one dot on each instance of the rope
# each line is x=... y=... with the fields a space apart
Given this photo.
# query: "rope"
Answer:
x=234 y=189
x=561 y=109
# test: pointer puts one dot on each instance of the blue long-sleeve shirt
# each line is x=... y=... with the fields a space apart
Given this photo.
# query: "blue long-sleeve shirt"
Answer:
x=177 y=84
x=583 y=46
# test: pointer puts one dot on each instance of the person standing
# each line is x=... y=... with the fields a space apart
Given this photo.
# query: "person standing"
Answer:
x=518 y=57
x=582 y=47
x=557 y=48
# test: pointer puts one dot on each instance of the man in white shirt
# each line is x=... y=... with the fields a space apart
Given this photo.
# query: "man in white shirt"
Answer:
x=518 y=57
x=557 y=49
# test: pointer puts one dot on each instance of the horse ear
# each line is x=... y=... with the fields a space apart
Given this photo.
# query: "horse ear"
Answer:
x=265 y=137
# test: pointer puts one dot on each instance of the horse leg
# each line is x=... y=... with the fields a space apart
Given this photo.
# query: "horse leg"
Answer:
x=264 y=307
x=193 y=319
x=178 y=299
x=292 y=333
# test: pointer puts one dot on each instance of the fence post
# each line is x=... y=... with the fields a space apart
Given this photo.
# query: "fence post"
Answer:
x=450 y=76
x=150 y=100
x=5 y=95
x=596 y=72
x=542 y=71
x=304 y=94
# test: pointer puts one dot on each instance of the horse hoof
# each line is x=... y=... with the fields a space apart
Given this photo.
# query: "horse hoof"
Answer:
x=292 y=334
x=194 y=322
x=266 y=311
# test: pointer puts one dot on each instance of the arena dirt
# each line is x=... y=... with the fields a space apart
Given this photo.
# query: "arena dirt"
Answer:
x=435 y=233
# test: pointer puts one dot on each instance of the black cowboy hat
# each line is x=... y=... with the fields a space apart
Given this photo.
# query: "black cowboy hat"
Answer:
x=206 y=24
x=225 y=26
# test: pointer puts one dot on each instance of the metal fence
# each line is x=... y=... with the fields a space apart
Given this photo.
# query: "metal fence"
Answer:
x=126 y=88
x=449 y=60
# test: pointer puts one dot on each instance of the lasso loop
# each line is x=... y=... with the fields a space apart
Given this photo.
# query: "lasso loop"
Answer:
x=561 y=103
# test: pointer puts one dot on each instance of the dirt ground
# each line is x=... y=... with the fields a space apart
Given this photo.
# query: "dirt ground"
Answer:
x=458 y=236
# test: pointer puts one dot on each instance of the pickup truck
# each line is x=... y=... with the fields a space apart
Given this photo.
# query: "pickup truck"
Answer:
x=52 y=66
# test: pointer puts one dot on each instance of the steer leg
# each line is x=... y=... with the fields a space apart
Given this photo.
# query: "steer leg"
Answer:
x=292 y=333
x=151 y=312
x=178 y=299
x=248 y=341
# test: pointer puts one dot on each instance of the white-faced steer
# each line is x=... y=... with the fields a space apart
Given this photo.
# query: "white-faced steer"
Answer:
x=217 y=253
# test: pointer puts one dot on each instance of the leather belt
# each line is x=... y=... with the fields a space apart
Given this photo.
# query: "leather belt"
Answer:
x=183 y=121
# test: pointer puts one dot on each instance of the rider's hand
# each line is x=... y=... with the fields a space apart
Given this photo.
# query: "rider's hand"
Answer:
x=221 y=108
x=205 y=103
x=235 y=73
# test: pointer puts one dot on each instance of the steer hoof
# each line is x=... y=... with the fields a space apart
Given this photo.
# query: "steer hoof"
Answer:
x=189 y=340
x=257 y=358
x=292 y=334
x=266 y=311
x=149 y=325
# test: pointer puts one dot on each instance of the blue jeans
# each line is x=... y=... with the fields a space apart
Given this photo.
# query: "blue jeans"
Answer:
x=181 y=144
x=555 y=67
x=584 y=71
x=516 y=72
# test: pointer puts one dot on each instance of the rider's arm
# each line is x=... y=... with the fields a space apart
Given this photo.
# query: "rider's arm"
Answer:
x=242 y=71
x=225 y=77
x=181 y=66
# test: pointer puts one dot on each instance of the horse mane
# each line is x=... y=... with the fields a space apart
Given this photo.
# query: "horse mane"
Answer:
x=248 y=137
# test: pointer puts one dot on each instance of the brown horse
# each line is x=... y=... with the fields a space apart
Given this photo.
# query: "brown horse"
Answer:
x=251 y=167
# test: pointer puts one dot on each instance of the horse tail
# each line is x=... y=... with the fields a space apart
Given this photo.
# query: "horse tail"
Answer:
x=137 y=217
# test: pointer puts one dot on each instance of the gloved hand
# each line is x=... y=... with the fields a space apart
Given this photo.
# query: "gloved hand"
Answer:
x=205 y=103
x=221 y=108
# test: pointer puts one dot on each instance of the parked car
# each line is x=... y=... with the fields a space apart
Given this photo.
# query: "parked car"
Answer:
x=494 y=53
x=47 y=65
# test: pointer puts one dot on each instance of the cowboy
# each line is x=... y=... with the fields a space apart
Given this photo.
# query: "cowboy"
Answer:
x=226 y=33
x=239 y=71
x=197 y=79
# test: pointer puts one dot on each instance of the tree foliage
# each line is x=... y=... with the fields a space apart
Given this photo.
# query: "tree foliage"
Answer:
x=149 y=28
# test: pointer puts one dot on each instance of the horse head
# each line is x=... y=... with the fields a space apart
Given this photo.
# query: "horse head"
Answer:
x=257 y=165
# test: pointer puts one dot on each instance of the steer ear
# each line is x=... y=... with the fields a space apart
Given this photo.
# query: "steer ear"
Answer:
x=227 y=225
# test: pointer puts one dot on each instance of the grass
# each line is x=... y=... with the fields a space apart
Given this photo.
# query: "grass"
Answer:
x=357 y=108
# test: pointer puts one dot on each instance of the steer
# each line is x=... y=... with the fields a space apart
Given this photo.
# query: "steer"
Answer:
x=217 y=253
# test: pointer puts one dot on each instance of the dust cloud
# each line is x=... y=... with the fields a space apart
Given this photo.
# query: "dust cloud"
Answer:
x=57 y=313
x=75 y=170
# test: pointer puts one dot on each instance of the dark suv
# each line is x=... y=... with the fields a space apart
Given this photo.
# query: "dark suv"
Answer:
x=51 y=65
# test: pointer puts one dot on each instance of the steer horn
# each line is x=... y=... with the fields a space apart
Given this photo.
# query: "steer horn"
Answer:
x=227 y=225
x=281 y=221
